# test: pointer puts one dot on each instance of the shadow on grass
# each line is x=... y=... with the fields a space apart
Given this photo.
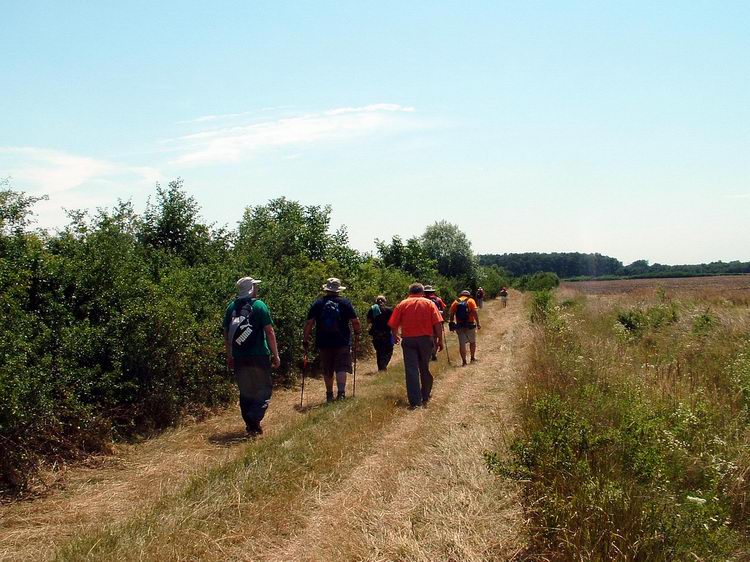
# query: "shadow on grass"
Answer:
x=230 y=438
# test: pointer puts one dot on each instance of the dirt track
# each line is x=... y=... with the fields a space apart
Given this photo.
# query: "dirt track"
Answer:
x=421 y=493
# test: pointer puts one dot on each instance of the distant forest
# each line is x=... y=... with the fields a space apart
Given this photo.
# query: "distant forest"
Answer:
x=574 y=264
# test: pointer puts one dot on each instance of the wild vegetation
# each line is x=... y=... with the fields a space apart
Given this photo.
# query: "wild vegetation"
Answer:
x=635 y=426
x=111 y=327
x=569 y=265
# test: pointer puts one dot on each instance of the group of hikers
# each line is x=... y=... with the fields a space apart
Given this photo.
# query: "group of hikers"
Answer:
x=416 y=323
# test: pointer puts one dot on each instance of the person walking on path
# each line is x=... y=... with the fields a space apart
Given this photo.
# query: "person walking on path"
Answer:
x=331 y=315
x=480 y=297
x=251 y=350
x=429 y=293
x=464 y=311
x=382 y=339
x=504 y=296
x=419 y=323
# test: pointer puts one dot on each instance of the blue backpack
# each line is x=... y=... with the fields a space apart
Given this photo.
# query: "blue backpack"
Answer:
x=462 y=311
x=330 y=317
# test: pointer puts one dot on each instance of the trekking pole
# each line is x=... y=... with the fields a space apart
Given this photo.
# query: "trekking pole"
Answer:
x=445 y=345
x=304 y=369
x=354 y=374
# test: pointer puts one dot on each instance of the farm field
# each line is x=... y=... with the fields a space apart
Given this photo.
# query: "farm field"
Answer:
x=635 y=421
x=730 y=285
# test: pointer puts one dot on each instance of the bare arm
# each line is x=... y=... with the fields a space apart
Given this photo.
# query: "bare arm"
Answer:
x=271 y=339
x=437 y=332
x=307 y=333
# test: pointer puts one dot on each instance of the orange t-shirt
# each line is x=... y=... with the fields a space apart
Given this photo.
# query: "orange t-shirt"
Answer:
x=416 y=316
x=472 y=308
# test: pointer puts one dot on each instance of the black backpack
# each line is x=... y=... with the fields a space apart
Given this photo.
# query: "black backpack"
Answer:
x=462 y=311
x=330 y=317
x=243 y=333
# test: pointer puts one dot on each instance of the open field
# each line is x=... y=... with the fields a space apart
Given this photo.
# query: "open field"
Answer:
x=635 y=421
x=728 y=284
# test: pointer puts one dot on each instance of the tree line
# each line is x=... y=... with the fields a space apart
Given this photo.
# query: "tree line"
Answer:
x=110 y=328
x=571 y=265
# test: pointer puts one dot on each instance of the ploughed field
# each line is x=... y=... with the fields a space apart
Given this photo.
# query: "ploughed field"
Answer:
x=727 y=284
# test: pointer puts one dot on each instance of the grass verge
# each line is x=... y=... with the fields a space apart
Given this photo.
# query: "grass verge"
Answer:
x=635 y=420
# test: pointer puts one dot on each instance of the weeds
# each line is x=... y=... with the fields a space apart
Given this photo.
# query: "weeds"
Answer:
x=635 y=430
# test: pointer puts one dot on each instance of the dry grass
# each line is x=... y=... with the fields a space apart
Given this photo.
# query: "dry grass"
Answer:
x=398 y=484
x=425 y=493
x=80 y=497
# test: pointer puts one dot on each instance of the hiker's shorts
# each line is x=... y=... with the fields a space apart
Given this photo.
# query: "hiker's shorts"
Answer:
x=335 y=360
x=466 y=335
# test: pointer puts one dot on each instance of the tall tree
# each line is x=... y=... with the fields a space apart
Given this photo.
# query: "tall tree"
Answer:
x=450 y=248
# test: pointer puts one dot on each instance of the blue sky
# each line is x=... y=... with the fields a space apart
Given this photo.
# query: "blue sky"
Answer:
x=621 y=128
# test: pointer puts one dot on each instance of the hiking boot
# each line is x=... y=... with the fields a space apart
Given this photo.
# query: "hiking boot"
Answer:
x=473 y=359
x=433 y=358
x=341 y=396
x=329 y=396
x=413 y=406
x=464 y=363
x=254 y=429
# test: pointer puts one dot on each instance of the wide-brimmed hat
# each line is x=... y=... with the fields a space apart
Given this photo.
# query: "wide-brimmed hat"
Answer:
x=381 y=298
x=464 y=293
x=246 y=286
x=428 y=289
x=333 y=285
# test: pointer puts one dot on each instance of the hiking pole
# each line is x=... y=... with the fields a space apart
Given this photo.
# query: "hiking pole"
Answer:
x=354 y=385
x=445 y=345
x=304 y=369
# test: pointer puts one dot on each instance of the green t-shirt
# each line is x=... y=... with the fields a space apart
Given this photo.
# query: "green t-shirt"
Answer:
x=261 y=318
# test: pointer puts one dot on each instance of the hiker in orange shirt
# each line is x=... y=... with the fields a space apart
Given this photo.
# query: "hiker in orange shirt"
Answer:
x=466 y=314
x=420 y=324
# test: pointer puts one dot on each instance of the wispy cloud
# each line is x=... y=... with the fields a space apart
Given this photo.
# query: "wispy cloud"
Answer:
x=237 y=142
x=53 y=171
x=71 y=181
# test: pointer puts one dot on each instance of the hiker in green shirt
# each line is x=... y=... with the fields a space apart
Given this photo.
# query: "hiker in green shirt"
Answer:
x=250 y=344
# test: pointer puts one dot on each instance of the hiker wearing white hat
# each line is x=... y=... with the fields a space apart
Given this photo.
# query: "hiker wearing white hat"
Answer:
x=331 y=315
x=250 y=343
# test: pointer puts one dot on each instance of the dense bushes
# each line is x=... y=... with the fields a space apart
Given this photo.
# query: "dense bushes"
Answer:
x=112 y=327
x=634 y=439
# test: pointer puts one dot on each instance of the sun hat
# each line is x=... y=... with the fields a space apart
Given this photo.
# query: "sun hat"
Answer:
x=246 y=286
x=333 y=285
x=381 y=298
x=464 y=293
x=428 y=289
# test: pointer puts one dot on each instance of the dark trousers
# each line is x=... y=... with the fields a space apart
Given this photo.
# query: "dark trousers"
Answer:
x=417 y=352
x=253 y=377
x=383 y=351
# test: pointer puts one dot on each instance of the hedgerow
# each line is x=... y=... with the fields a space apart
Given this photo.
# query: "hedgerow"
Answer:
x=111 y=327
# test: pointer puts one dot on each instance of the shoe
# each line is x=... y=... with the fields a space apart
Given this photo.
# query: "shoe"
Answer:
x=341 y=396
x=414 y=406
x=254 y=429
x=473 y=359
x=433 y=358
x=329 y=396
x=464 y=364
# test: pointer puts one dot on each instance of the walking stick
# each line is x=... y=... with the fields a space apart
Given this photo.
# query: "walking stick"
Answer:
x=445 y=345
x=304 y=370
x=354 y=386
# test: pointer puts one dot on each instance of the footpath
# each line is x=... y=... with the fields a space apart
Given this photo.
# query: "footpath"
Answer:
x=362 y=480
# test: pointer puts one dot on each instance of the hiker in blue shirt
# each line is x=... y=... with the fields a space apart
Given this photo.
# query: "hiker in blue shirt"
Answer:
x=331 y=315
x=251 y=350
